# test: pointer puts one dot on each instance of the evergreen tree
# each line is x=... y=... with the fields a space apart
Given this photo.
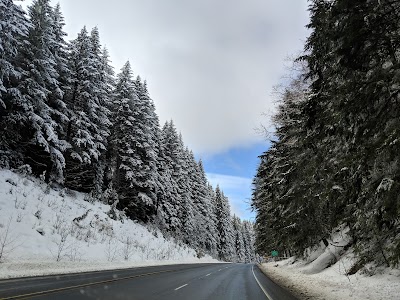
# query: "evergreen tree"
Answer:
x=204 y=207
x=14 y=28
x=248 y=241
x=240 y=254
x=334 y=161
x=42 y=107
x=226 y=250
x=63 y=113
x=167 y=193
x=87 y=130
x=123 y=138
x=103 y=84
x=144 y=154
x=174 y=160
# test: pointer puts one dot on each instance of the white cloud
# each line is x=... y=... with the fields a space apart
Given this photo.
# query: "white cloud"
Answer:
x=210 y=64
x=229 y=182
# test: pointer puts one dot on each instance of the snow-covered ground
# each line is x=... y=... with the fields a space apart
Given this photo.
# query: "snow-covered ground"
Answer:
x=45 y=231
x=322 y=276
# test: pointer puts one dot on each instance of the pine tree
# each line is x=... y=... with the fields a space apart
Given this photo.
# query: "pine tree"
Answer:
x=87 y=130
x=226 y=250
x=248 y=241
x=63 y=113
x=103 y=83
x=334 y=161
x=144 y=152
x=167 y=194
x=59 y=50
x=40 y=97
x=173 y=152
x=286 y=218
x=123 y=138
x=14 y=28
x=205 y=210
x=213 y=221
x=240 y=254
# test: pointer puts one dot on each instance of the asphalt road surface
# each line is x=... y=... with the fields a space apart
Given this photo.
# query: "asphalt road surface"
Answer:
x=194 y=281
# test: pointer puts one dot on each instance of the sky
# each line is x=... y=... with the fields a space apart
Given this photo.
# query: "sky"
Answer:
x=210 y=66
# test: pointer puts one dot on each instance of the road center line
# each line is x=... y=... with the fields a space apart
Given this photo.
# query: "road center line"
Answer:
x=262 y=288
x=208 y=274
x=219 y=270
x=178 y=288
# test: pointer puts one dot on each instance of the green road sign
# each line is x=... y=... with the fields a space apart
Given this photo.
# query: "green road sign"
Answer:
x=274 y=253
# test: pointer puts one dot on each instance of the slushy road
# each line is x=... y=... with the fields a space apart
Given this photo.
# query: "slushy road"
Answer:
x=178 y=282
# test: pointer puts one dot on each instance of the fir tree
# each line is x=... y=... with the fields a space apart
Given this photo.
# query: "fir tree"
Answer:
x=240 y=254
x=13 y=37
x=123 y=139
x=226 y=250
x=87 y=130
x=40 y=97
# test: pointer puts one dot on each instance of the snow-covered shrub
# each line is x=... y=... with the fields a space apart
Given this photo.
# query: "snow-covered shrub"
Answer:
x=128 y=247
x=8 y=240
x=111 y=249
x=24 y=170
x=90 y=198
x=62 y=242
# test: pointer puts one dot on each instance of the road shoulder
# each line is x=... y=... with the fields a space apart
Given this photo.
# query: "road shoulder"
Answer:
x=299 y=291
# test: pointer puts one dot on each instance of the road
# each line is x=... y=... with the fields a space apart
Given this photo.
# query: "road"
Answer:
x=178 y=282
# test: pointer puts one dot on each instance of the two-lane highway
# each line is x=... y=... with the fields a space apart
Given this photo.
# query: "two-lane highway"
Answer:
x=195 y=281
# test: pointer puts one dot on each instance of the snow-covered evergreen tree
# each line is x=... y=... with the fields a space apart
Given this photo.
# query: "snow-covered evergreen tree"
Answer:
x=87 y=99
x=59 y=50
x=103 y=87
x=166 y=216
x=249 y=241
x=122 y=138
x=334 y=162
x=203 y=204
x=40 y=96
x=240 y=254
x=14 y=28
x=144 y=152
x=226 y=248
x=62 y=112
x=173 y=152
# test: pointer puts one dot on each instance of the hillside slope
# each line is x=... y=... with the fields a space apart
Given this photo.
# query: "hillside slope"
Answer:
x=44 y=231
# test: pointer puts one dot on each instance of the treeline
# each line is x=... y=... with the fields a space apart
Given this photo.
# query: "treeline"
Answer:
x=335 y=160
x=66 y=117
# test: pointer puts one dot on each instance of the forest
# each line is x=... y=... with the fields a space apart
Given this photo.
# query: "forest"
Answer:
x=66 y=117
x=334 y=159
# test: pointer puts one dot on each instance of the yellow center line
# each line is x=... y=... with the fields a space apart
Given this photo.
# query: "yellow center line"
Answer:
x=40 y=293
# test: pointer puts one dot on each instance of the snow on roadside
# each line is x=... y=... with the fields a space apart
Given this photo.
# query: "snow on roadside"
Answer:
x=322 y=275
x=46 y=231
x=15 y=269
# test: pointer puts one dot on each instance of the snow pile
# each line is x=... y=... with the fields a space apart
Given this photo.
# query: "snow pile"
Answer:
x=44 y=231
x=323 y=274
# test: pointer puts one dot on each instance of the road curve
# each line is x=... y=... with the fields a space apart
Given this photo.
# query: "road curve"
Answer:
x=178 y=282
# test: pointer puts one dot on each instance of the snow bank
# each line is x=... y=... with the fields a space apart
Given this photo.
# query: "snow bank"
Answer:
x=322 y=275
x=45 y=231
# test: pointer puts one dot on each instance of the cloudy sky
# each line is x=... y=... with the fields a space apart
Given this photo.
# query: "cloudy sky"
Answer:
x=210 y=66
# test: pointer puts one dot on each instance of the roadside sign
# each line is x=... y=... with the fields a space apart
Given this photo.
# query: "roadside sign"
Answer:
x=274 y=253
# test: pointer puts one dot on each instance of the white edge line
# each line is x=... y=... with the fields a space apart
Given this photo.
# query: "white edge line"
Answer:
x=265 y=292
x=181 y=287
